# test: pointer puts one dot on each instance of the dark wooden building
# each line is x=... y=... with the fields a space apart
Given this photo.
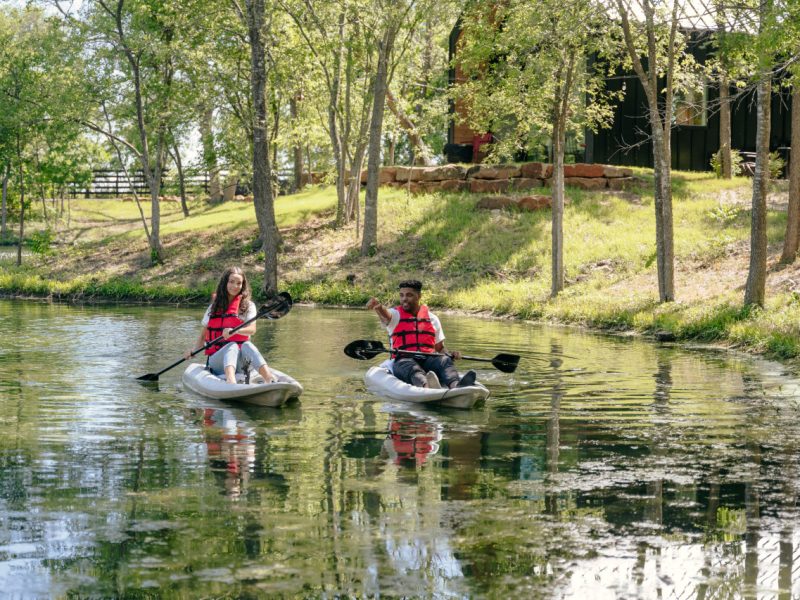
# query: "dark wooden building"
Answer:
x=695 y=135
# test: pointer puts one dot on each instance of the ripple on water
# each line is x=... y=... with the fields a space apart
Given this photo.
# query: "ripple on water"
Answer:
x=601 y=466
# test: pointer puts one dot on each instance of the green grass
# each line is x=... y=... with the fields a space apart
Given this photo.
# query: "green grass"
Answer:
x=493 y=262
x=289 y=211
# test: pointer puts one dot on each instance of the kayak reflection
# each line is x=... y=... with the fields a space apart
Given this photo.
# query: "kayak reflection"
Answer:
x=411 y=440
x=231 y=447
x=238 y=447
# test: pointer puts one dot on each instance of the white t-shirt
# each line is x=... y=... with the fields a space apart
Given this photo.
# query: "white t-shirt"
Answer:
x=434 y=321
x=252 y=311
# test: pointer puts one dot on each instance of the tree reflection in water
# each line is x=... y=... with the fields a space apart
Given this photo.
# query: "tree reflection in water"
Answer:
x=629 y=470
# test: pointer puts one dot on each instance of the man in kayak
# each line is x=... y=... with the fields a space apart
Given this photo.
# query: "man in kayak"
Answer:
x=414 y=328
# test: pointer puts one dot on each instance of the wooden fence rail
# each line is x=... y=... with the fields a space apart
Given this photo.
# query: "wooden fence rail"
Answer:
x=111 y=183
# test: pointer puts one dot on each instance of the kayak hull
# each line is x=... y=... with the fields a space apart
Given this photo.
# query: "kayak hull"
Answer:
x=201 y=381
x=380 y=381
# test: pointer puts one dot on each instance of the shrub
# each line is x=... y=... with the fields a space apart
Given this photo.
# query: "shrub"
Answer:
x=776 y=164
x=41 y=242
x=736 y=163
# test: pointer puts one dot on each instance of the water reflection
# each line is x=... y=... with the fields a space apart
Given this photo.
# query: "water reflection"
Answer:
x=604 y=467
x=412 y=440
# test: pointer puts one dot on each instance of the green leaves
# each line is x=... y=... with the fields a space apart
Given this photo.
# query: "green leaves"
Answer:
x=517 y=62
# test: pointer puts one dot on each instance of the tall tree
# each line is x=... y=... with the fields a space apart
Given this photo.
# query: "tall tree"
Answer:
x=38 y=102
x=755 y=289
x=342 y=49
x=790 y=51
x=527 y=77
x=134 y=48
x=723 y=81
x=791 y=240
x=394 y=16
x=655 y=46
x=254 y=17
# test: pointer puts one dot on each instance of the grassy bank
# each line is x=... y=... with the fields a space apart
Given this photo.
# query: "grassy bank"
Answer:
x=495 y=262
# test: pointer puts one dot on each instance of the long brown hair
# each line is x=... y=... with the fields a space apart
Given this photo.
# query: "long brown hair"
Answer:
x=219 y=306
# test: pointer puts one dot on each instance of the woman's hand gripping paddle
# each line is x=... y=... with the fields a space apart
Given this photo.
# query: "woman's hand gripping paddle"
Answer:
x=274 y=309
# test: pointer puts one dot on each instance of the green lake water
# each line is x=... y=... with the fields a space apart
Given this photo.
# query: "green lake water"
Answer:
x=605 y=467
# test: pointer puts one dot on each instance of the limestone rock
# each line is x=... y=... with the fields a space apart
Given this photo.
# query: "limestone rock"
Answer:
x=622 y=183
x=495 y=202
x=614 y=172
x=408 y=174
x=454 y=185
x=583 y=170
x=493 y=172
x=443 y=173
x=525 y=183
x=586 y=183
x=385 y=175
x=536 y=170
x=531 y=203
x=485 y=186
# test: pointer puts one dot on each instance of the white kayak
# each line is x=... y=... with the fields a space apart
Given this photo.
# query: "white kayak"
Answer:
x=199 y=379
x=381 y=381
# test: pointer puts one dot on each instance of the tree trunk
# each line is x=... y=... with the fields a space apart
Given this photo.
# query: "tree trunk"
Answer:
x=44 y=207
x=660 y=132
x=665 y=252
x=262 y=167
x=565 y=77
x=354 y=187
x=339 y=157
x=4 y=207
x=392 y=146
x=152 y=172
x=21 y=212
x=297 y=150
x=210 y=154
x=181 y=182
x=154 y=181
x=725 y=127
x=423 y=153
x=557 y=283
x=229 y=189
x=757 y=275
x=357 y=164
x=792 y=239
x=369 y=241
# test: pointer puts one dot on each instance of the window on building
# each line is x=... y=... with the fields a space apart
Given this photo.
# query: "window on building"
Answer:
x=689 y=107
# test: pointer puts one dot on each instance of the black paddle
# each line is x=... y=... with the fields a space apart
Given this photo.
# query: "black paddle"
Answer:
x=367 y=349
x=274 y=309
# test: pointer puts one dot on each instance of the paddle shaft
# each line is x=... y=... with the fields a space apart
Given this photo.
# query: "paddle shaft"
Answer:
x=367 y=349
x=154 y=376
x=424 y=355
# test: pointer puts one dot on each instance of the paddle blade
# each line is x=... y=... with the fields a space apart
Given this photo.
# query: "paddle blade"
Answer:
x=148 y=377
x=364 y=349
x=507 y=363
x=277 y=307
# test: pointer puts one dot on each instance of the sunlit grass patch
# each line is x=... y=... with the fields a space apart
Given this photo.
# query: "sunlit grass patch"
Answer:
x=469 y=259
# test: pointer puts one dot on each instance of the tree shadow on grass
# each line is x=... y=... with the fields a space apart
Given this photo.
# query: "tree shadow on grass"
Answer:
x=457 y=242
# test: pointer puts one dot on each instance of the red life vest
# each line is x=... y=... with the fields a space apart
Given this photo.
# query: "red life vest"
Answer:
x=413 y=441
x=218 y=322
x=414 y=333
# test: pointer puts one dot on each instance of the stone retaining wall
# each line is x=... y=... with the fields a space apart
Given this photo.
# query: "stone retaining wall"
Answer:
x=482 y=179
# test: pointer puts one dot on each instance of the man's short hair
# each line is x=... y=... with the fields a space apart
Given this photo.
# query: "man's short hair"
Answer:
x=414 y=284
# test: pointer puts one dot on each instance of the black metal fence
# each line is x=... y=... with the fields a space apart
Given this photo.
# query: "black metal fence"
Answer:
x=111 y=183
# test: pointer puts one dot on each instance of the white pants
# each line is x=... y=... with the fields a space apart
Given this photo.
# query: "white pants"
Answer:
x=231 y=354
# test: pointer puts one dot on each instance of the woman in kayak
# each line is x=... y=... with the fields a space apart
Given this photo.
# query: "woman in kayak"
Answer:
x=414 y=328
x=230 y=307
